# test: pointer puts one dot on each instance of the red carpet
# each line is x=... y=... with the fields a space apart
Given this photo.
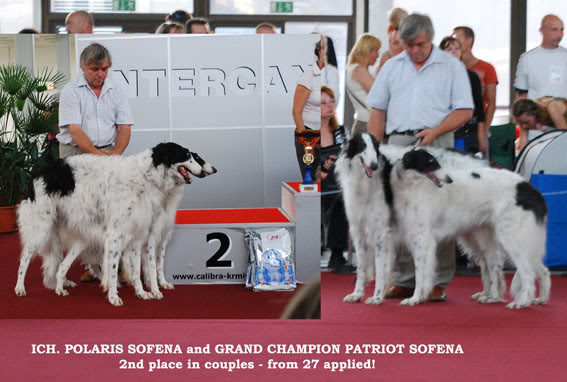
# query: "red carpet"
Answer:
x=88 y=301
x=498 y=344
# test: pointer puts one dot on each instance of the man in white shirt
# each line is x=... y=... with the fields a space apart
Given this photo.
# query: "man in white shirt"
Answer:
x=542 y=71
x=425 y=94
x=94 y=115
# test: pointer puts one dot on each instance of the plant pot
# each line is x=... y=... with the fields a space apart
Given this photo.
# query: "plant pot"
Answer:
x=8 y=219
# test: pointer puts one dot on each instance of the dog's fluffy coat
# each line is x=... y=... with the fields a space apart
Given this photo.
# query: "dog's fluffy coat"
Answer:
x=492 y=213
x=112 y=205
x=389 y=205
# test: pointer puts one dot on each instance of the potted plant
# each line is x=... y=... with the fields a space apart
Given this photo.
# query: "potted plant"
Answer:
x=28 y=121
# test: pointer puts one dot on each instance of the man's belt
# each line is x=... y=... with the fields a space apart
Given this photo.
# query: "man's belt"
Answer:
x=409 y=133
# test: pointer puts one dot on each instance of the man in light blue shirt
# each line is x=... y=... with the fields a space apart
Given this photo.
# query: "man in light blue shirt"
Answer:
x=421 y=91
x=94 y=115
x=424 y=94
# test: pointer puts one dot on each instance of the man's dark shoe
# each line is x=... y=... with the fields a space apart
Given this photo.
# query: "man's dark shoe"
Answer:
x=438 y=295
x=399 y=292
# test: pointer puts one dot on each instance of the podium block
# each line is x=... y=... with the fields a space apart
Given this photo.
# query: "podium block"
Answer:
x=305 y=210
x=207 y=246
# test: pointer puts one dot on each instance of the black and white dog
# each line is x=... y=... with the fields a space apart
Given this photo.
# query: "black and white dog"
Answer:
x=91 y=205
x=364 y=177
x=492 y=213
x=383 y=213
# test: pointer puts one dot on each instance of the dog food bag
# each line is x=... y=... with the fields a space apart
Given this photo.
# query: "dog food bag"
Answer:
x=270 y=260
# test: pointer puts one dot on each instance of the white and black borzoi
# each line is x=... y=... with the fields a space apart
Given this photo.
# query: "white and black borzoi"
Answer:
x=364 y=177
x=364 y=170
x=92 y=205
x=491 y=213
x=370 y=193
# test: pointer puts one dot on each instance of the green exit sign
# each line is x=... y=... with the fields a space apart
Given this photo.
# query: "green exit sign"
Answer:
x=124 y=5
x=281 y=7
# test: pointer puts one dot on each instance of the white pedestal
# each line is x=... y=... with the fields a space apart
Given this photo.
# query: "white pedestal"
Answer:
x=305 y=209
x=214 y=251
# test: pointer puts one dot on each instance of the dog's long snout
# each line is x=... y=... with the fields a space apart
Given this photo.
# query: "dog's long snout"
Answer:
x=448 y=179
x=374 y=166
x=201 y=173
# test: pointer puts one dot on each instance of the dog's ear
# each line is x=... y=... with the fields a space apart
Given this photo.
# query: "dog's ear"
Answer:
x=375 y=143
x=420 y=161
x=409 y=160
x=355 y=146
x=168 y=154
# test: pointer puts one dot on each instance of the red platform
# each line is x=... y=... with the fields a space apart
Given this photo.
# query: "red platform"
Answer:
x=231 y=216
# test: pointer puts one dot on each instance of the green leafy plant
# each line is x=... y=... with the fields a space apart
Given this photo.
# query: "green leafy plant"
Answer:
x=28 y=115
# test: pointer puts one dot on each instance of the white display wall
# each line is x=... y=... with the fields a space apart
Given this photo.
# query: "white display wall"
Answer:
x=228 y=98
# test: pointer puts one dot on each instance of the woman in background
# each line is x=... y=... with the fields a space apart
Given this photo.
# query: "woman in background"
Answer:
x=332 y=207
x=307 y=107
x=359 y=81
x=470 y=137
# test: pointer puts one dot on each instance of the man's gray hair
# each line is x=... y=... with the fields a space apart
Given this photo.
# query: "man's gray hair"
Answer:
x=415 y=24
x=95 y=52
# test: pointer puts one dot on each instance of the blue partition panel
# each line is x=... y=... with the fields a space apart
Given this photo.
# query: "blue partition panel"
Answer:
x=554 y=191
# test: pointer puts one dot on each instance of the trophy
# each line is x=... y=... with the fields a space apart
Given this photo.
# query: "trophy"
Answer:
x=308 y=138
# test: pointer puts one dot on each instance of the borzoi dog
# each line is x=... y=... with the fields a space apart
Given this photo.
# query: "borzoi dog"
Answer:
x=510 y=214
x=364 y=177
x=87 y=202
x=160 y=234
x=365 y=173
x=364 y=170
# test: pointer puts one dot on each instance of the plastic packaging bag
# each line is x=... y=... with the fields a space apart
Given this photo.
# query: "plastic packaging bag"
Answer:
x=270 y=260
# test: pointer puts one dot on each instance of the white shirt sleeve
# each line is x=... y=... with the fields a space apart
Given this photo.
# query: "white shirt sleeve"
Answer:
x=122 y=110
x=69 y=107
x=379 y=96
x=521 y=81
x=306 y=79
x=461 y=93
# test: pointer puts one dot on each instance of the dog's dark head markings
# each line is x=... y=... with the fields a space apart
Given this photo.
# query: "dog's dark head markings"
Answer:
x=424 y=163
x=58 y=178
x=366 y=147
x=172 y=155
x=208 y=168
x=530 y=199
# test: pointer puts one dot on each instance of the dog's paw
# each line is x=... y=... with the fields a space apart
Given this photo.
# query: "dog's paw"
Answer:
x=69 y=284
x=353 y=297
x=20 y=291
x=540 y=301
x=157 y=295
x=374 y=300
x=143 y=295
x=477 y=296
x=486 y=299
x=61 y=292
x=115 y=300
x=167 y=285
x=410 y=301
x=516 y=305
